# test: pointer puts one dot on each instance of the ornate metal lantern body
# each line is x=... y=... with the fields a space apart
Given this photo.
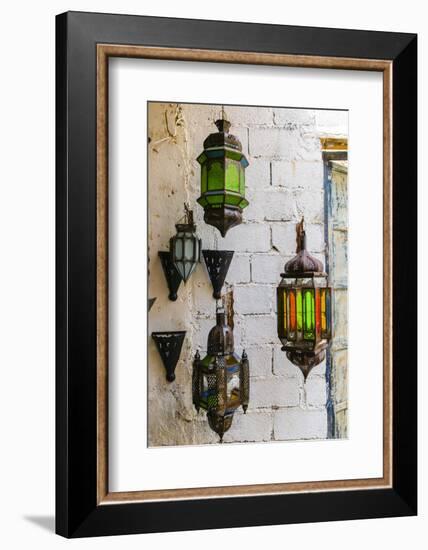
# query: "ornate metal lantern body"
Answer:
x=221 y=381
x=222 y=179
x=185 y=247
x=304 y=308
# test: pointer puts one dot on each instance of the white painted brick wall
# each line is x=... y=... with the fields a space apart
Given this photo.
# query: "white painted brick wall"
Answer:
x=283 y=182
x=297 y=423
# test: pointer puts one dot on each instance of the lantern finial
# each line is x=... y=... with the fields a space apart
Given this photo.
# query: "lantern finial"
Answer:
x=303 y=264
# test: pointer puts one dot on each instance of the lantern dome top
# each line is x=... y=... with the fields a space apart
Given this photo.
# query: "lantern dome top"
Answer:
x=222 y=138
x=220 y=337
x=303 y=264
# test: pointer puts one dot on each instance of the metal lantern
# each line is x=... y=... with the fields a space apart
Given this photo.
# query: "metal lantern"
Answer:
x=222 y=179
x=185 y=246
x=220 y=381
x=304 y=308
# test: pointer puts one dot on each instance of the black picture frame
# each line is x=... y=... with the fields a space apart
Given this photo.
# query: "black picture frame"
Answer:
x=77 y=511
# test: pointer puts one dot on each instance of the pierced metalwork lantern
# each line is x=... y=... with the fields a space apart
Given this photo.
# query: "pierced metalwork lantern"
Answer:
x=169 y=346
x=185 y=246
x=218 y=263
x=304 y=308
x=220 y=381
x=222 y=179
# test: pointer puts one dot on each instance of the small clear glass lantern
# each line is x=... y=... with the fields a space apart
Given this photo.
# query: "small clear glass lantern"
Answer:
x=304 y=308
x=220 y=381
x=185 y=246
x=222 y=179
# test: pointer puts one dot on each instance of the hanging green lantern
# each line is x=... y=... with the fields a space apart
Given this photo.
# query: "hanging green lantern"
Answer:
x=222 y=179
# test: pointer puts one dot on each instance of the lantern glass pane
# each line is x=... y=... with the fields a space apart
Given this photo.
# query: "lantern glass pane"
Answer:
x=188 y=249
x=232 y=176
x=241 y=180
x=282 y=312
x=215 y=175
x=318 y=312
x=204 y=178
x=308 y=314
x=292 y=314
x=323 y=313
x=285 y=314
x=178 y=249
x=299 y=309
x=232 y=199
x=215 y=199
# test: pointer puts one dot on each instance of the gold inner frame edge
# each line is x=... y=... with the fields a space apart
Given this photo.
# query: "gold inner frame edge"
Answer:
x=104 y=51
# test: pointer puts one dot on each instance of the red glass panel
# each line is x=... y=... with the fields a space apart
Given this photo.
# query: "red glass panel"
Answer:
x=292 y=306
x=317 y=311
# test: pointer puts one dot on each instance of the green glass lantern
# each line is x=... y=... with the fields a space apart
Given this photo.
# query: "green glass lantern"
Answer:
x=220 y=381
x=185 y=246
x=304 y=308
x=222 y=179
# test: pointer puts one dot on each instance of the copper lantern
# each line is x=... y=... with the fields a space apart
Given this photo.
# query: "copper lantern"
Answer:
x=304 y=308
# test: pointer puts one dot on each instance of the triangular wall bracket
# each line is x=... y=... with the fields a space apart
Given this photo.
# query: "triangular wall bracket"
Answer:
x=218 y=263
x=169 y=345
x=172 y=276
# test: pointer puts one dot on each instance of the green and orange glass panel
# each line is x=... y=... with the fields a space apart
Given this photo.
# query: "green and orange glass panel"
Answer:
x=304 y=316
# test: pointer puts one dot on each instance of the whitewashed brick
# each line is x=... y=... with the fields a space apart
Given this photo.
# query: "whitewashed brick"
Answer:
x=242 y=116
x=282 y=366
x=253 y=299
x=200 y=335
x=332 y=122
x=252 y=426
x=315 y=386
x=298 y=423
x=294 y=118
x=278 y=205
x=295 y=175
x=260 y=358
x=239 y=270
x=284 y=238
x=274 y=392
x=257 y=174
x=247 y=237
x=256 y=210
x=199 y=132
x=310 y=205
x=274 y=143
x=260 y=329
x=265 y=268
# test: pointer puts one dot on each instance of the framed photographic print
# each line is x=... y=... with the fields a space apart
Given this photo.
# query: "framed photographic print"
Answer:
x=236 y=274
